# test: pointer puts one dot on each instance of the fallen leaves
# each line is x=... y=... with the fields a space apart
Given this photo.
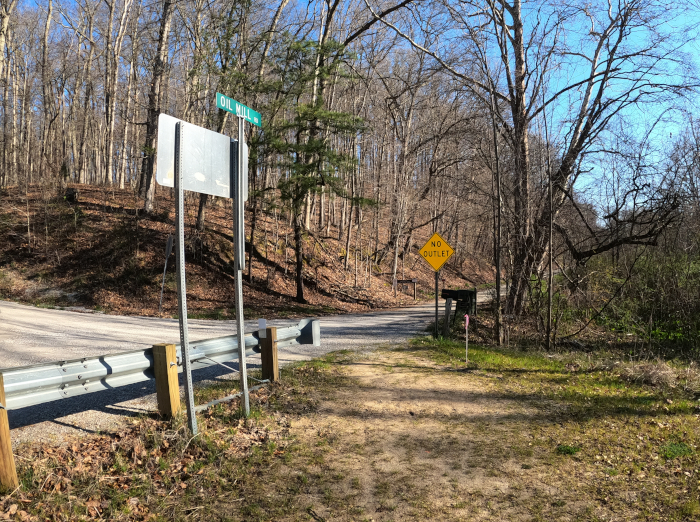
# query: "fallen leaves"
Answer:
x=13 y=513
x=99 y=252
x=126 y=474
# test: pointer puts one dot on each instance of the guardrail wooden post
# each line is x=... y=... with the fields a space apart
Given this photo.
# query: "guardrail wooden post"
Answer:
x=268 y=355
x=167 y=385
x=446 y=321
x=8 y=472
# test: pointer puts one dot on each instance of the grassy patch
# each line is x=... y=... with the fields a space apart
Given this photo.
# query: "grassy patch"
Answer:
x=450 y=352
x=565 y=449
x=674 y=450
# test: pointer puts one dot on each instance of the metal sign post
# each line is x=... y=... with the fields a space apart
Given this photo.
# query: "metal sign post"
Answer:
x=436 y=303
x=181 y=283
x=240 y=185
x=197 y=159
x=436 y=252
x=239 y=244
x=203 y=166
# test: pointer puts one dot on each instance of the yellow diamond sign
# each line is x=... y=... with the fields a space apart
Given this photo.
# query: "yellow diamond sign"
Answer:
x=436 y=251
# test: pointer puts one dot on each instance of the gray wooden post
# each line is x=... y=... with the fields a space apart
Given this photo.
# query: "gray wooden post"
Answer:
x=446 y=322
x=268 y=355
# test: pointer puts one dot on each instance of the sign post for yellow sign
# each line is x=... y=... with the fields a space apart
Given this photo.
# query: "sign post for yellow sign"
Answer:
x=436 y=252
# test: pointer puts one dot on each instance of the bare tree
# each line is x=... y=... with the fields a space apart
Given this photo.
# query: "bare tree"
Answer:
x=6 y=9
x=112 y=54
x=155 y=96
x=618 y=56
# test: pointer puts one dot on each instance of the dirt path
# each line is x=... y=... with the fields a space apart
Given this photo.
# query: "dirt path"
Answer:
x=413 y=440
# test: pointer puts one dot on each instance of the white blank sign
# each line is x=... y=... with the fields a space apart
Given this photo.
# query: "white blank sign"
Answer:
x=205 y=158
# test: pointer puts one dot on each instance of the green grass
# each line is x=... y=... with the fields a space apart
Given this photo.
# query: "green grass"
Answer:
x=605 y=445
x=565 y=449
x=674 y=450
x=587 y=389
x=446 y=351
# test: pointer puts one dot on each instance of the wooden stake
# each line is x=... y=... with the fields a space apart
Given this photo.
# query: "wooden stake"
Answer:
x=167 y=385
x=446 y=322
x=8 y=472
x=268 y=355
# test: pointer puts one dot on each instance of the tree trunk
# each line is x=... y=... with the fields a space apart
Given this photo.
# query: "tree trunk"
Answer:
x=15 y=127
x=84 y=161
x=5 y=14
x=147 y=181
x=111 y=79
x=46 y=90
x=299 y=253
x=201 y=211
x=125 y=140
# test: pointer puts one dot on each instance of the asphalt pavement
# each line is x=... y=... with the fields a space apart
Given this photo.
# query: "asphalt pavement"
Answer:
x=31 y=335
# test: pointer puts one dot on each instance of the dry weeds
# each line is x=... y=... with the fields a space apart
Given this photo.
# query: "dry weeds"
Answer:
x=657 y=373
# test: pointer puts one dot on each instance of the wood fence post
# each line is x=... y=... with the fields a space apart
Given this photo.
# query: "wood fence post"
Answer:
x=446 y=322
x=8 y=471
x=167 y=385
x=268 y=355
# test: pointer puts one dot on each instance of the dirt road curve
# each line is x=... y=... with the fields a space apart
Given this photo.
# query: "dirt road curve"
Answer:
x=30 y=335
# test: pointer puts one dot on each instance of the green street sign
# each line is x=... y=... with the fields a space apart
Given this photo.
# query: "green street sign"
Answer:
x=240 y=110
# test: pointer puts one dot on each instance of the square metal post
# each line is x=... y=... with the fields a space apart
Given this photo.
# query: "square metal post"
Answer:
x=239 y=244
x=436 y=304
x=181 y=283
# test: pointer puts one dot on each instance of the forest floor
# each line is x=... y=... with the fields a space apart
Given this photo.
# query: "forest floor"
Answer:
x=406 y=432
x=101 y=253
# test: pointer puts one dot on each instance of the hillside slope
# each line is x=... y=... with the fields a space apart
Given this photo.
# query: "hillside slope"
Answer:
x=101 y=253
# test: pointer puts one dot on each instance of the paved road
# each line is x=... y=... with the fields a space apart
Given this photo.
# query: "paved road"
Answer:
x=30 y=335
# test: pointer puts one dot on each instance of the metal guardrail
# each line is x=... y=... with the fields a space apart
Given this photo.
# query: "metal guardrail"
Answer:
x=41 y=383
